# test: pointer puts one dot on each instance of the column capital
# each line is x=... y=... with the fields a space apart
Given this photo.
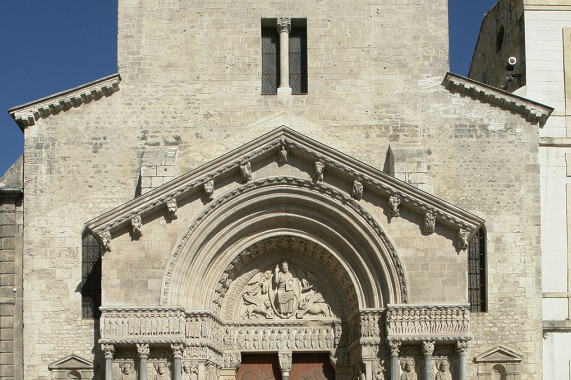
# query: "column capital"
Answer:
x=462 y=347
x=143 y=350
x=177 y=349
x=108 y=349
x=427 y=347
x=394 y=347
x=284 y=24
x=285 y=361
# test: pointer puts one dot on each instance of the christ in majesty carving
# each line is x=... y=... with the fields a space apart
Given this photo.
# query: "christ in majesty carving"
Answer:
x=285 y=289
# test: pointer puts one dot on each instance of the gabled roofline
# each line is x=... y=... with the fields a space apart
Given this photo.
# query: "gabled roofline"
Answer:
x=27 y=114
x=533 y=112
x=298 y=144
x=58 y=363
x=512 y=356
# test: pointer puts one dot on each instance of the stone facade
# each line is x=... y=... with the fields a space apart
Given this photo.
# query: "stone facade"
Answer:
x=333 y=222
x=540 y=32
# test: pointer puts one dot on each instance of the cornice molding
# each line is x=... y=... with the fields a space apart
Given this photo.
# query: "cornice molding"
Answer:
x=334 y=162
x=532 y=111
x=27 y=114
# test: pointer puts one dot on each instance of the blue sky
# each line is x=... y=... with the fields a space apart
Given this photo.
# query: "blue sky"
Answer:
x=51 y=46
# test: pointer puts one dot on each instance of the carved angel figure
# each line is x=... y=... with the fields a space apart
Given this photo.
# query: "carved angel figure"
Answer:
x=255 y=288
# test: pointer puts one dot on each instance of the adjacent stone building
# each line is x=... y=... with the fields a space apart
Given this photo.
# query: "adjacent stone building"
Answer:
x=282 y=190
x=537 y=35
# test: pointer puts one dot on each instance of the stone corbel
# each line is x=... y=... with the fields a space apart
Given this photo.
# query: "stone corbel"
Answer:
x=394 y=203
x=209 y=189
x=172 y=207
x=282 y=155
x=143 y=350
x=357 y=191
x=429 y=223
x=463 y=238
x=137 y=225
x=105 y=237
x=319 y=169
x=246 y=171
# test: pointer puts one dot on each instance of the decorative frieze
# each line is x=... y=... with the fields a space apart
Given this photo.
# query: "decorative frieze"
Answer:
x=428 y=323
x=272 y=338
x=138 y=325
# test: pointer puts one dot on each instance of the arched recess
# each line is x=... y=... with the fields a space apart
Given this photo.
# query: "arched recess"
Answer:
x=283 y=206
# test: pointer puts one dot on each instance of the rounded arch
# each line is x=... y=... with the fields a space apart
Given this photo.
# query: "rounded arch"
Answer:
x=283 y=206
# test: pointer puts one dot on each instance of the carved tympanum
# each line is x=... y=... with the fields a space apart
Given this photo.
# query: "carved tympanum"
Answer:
x=284 y=292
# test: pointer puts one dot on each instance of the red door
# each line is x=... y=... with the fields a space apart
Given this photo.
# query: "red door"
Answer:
x=259 y=367
x=311 y=367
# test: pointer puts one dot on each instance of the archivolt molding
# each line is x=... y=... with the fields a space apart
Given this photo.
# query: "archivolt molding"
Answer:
x=328 y=160
x=347 y=201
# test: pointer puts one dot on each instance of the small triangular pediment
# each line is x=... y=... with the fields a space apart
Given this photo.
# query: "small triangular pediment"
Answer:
x=499 y=354
x=71 y=362
x=282 y=144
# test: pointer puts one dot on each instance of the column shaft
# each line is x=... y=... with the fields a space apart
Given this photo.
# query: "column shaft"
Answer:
x=394 y=367
x=108 y=368
x=462 y=366
x=177 y=368
x=143 y=368
x=284 y=26
x=428 y=366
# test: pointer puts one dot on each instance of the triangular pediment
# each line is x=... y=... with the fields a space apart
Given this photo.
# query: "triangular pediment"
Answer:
x=499 y=354
x=281 y=144
x=71 y=362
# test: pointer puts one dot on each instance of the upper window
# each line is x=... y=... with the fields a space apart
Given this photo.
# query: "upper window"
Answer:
x=477 y=272
x=294 y=31
x=91 y=277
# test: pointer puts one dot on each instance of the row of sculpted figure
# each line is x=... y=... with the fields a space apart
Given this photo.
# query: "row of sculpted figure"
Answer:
x=274 y=338
x=408 y=371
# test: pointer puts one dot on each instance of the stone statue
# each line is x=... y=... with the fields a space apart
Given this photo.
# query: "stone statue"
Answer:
x=429 y=223
x=443 y=371
x=408 y=372
x=285 y=293
x=162 y=371
x=128 y=372
x=282 y=155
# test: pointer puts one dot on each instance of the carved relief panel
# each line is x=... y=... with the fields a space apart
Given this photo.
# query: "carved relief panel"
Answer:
x=284 y=292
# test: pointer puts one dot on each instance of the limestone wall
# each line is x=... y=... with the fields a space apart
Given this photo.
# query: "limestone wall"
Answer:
x=191 y=78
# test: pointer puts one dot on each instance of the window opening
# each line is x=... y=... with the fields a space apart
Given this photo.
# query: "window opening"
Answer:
x=91 y=277
x=477 y=272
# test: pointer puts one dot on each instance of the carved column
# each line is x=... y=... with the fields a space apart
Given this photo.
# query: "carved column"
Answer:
x=177 y=349
x=109 y=350
x=285 y=364
x=394 y=346
x=284 y=27
x=461 y=348
x=143 y=351
x=428 y=350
